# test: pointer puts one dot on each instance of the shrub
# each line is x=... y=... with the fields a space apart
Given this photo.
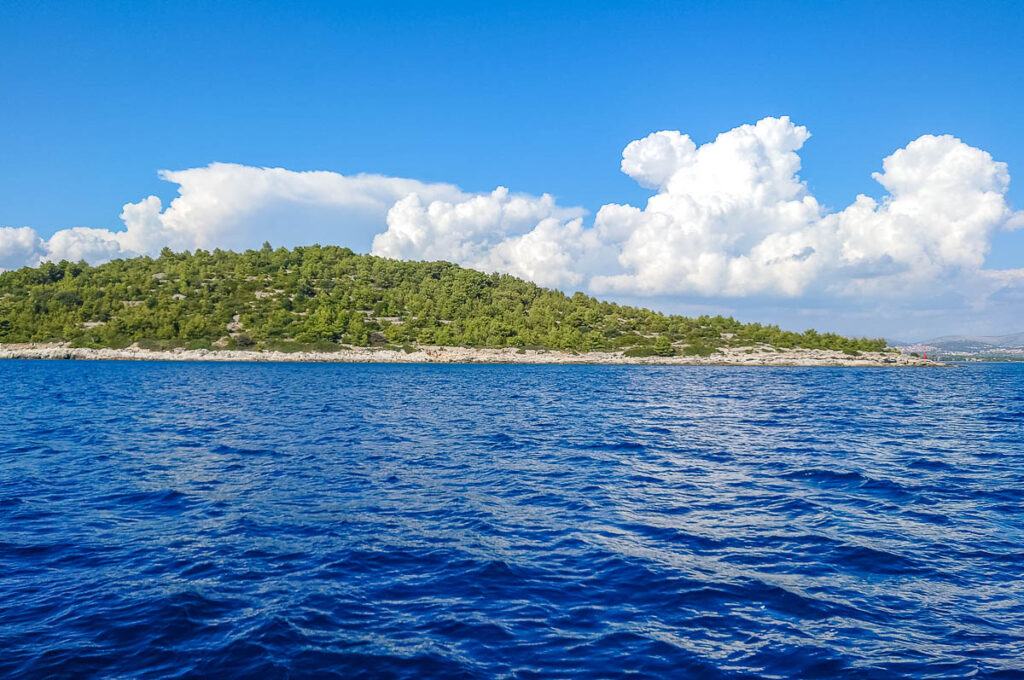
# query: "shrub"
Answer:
x=663 y=347
x=699 y=349
x=156 y=344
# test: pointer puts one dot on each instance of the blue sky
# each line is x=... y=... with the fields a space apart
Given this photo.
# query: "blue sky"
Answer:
x=537 y=97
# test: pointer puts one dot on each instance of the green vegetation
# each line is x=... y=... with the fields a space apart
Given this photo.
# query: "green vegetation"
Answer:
x=324 y=298
x=981 y=357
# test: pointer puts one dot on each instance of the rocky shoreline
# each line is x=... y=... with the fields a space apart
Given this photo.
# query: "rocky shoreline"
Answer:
x=758 y=356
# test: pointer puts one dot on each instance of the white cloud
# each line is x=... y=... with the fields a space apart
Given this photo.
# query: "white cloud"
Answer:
x=946 y=200
x=724 y=219
x=728 y=219
x=225 y=205
x=523 y=235
x=19 y=247
x=82 y=243
x=732 y=218
x=235 y=206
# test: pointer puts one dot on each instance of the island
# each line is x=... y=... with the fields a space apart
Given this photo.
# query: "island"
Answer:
x=320 y=303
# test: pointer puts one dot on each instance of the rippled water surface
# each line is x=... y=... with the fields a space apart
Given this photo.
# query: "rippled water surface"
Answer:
x=273 y=521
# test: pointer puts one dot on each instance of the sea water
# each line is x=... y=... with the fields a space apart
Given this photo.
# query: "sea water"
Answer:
x=288 y=521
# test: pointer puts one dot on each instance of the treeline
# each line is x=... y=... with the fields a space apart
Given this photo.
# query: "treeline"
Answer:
x=326 y=297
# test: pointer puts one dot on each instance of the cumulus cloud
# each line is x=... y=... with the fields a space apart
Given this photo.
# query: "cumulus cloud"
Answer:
x=723 y=219
x=225 y=205
x=236 y=206
x=732 y=218
x=728 y=219
x=19 y=247
x=523 y=235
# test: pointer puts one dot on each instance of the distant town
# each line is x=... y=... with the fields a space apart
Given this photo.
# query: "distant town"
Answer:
x=968 y=348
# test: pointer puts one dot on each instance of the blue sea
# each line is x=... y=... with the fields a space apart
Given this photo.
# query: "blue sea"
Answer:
x=180 y=520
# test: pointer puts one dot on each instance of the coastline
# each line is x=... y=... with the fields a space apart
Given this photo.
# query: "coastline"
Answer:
x=762 y=356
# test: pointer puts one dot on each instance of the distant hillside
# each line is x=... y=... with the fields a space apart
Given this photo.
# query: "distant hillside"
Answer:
x=976 y=343
x=979 y=343
x=326 y=297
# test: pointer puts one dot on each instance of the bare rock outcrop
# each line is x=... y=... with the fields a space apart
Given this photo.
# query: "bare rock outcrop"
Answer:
x=466 y=355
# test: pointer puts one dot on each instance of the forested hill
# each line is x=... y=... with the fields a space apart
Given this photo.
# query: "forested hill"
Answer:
x=322 y=297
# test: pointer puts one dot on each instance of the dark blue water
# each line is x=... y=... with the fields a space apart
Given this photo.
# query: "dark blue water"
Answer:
x=287 y=521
